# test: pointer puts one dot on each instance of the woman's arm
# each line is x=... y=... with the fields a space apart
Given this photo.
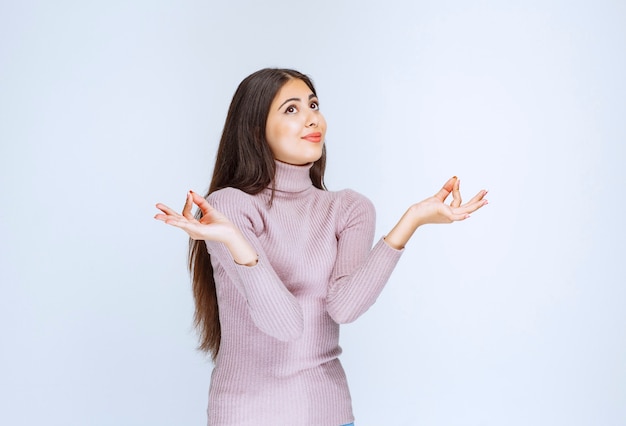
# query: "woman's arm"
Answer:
x=434 y=210
x=235 y=247
x=213 y=226
x=361 y=273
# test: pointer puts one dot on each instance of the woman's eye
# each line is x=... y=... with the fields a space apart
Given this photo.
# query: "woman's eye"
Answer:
x=291 y=109
x=315 y=106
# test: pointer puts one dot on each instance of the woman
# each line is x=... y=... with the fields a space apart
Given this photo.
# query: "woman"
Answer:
x=278 y=262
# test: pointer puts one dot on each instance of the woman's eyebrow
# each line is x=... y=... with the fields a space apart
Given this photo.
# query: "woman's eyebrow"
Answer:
x=289 y=100
x=311 y=96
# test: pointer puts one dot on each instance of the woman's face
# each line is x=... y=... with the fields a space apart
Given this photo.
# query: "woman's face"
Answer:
x=295 y=128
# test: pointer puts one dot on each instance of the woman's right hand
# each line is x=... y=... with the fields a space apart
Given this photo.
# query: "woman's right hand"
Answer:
x=212 y=226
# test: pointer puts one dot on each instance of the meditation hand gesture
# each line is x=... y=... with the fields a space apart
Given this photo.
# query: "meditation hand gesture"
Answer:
x=434 y=210
x=213 y=226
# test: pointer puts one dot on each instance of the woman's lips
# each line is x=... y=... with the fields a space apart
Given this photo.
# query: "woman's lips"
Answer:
x=313 y=137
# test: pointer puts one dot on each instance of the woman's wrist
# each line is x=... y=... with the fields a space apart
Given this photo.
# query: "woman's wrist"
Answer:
x=241 y=250
x=400 y=235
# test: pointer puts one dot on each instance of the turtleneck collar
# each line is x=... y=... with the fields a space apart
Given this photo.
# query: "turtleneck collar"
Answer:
x=290 y=178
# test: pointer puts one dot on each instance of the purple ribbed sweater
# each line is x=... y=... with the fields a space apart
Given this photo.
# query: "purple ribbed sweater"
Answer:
x=278 y=361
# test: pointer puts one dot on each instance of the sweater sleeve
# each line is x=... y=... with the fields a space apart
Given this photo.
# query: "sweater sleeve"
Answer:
x=273 y=309
x=360 y=271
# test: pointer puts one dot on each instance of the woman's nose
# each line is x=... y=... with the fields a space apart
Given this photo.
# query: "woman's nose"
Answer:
x=312 y=120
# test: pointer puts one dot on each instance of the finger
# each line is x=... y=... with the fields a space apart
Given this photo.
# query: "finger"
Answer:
x=161 y=217
x=481 y=194
x=173 y=219
x=188 y=205
x=192 y=228
x=471 y=207
x=202 y=203
x=167 y=210
x=449 y=215
x=457 y=217
x=446 y=190
x=184 y=224
x=456 y=194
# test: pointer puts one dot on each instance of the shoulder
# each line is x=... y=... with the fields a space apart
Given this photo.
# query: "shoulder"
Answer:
x=243 y=209
x=234 y=202
x=228 y=196
x=351 y=198
x=354 y=203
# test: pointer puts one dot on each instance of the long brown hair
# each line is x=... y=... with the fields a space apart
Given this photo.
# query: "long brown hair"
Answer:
x=244 y=161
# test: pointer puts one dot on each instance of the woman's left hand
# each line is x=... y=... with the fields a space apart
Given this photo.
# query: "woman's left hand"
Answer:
x=435 y=210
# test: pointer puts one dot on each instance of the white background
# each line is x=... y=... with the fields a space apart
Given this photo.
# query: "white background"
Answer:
x=514 y=317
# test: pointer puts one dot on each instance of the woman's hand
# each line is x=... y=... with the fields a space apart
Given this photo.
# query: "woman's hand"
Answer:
x=434 y=210
x=213 y=226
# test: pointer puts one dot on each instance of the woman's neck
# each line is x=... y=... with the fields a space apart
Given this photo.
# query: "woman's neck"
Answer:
x=291 y=178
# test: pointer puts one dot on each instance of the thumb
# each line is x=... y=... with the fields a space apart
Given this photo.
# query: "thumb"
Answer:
x=202 y=203
x=446 y=189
